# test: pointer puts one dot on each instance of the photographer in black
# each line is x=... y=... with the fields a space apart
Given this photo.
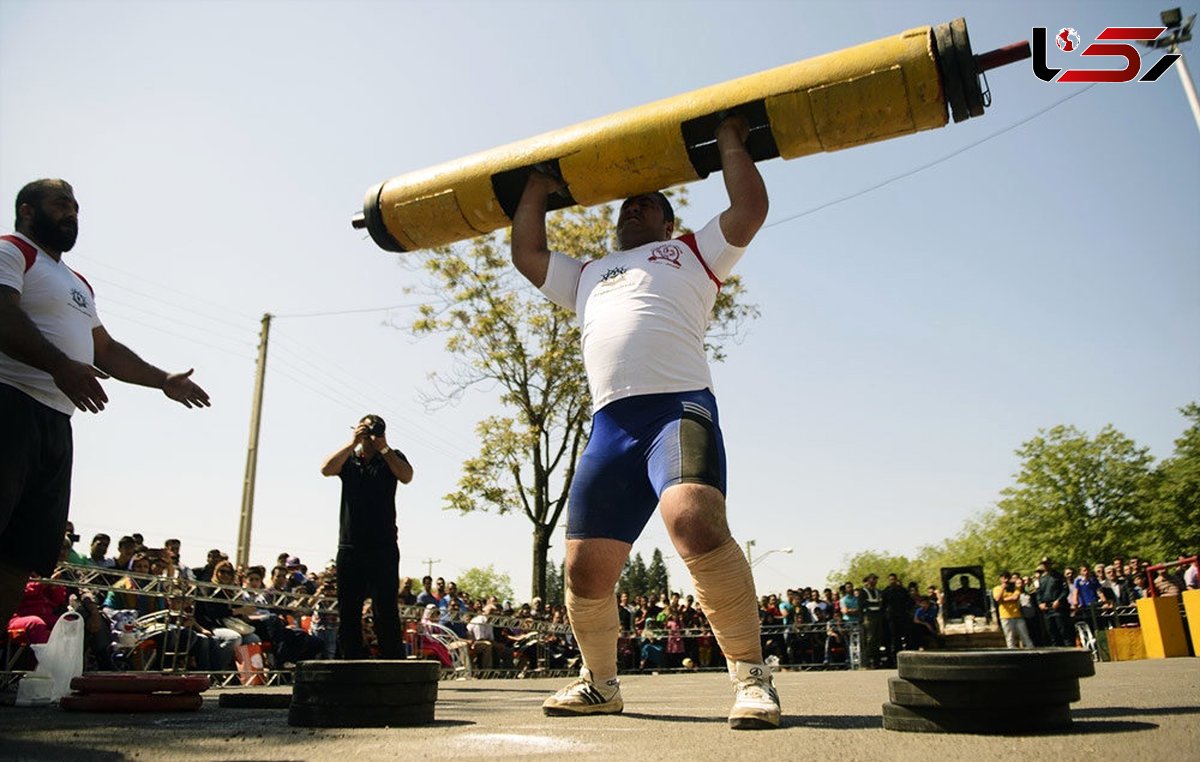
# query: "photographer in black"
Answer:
x=368 y=559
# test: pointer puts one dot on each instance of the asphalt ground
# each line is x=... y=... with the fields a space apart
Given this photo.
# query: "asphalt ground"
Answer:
x=1128 y=710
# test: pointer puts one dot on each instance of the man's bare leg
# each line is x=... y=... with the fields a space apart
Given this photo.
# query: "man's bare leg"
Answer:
x=694 y=515
x=593 y=568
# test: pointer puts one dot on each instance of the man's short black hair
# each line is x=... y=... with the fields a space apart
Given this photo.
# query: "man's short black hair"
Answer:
x=34 y=192
x=663 y=202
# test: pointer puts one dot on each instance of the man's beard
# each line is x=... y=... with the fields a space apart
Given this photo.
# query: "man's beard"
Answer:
x=55 y=235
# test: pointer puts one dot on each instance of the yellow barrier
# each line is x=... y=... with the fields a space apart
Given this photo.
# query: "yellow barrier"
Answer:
x=1126 y=644
x=1162 y=627
x=1191 y=604
x=883 y=89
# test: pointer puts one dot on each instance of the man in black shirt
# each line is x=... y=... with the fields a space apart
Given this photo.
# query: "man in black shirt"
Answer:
x=368 y=559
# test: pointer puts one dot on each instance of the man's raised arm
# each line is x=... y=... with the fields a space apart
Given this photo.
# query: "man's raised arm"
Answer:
x=747 y=193
x=530 y=254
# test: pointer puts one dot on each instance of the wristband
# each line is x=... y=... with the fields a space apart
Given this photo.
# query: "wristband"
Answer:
x=385 y=451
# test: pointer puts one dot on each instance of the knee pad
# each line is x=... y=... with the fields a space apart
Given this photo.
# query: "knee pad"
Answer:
x=596 y=626
x=725 y=589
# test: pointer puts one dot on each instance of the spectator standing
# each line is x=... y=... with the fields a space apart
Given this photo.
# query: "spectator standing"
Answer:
x=98 y=552
x=871 y=606
x=426 y=596
x=214 y=557
x=900 y=607
x=851 y=607
x=406 y=597
x=71 y=538
x=54 y=350
x=1087 y=590
x=368 y=556
x=1008 y=606
x=1052 y=597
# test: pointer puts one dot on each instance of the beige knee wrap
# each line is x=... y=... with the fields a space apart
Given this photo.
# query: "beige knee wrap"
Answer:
x=725 y=589
x=596 y=626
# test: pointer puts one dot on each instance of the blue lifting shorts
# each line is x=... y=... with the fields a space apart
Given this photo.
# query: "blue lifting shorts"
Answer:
x=639 y=446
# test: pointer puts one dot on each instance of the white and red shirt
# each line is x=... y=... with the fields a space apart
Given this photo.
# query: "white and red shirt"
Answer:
x=643 y=313
x=62 y=306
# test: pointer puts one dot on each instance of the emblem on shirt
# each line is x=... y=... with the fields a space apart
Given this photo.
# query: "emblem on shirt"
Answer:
x=80 y=299
x=614 y=272
x=668 y=253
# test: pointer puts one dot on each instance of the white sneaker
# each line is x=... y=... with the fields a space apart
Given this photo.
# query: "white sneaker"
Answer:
x=585 y=697
x=755 y=703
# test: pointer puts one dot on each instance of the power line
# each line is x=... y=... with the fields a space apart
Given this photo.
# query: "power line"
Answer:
x=349 y=312
x=933 y=163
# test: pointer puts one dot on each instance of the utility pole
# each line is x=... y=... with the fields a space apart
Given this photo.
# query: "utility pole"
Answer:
x=247 y=517
x=429 y=562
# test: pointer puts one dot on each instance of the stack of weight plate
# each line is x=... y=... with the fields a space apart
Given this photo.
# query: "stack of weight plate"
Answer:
x=994 y=691
x=364 y=694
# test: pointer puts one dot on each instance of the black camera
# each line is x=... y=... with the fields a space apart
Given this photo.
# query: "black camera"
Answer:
x=376 y=426
x=73 y=537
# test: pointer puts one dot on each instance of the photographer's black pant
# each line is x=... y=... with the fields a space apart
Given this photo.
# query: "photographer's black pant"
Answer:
x=375 y=575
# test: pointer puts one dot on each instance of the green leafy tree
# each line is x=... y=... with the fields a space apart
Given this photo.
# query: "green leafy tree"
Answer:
x=1078 y=498
x=656 y=573
x=556 y=588
x=634 y=579
x=1173 y=527
x=480 y=583
x=505 y=335
x=855 y=567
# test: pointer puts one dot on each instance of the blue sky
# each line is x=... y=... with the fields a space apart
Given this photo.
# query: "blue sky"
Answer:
x=911 y=336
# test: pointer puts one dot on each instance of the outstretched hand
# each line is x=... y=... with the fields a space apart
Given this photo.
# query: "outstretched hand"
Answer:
x=181 y=388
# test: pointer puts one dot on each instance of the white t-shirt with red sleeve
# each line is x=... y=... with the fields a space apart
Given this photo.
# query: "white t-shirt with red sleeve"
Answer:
x=62 y=306
x=643 y=312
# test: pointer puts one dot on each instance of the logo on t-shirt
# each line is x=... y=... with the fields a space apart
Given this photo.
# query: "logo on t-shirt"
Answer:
x=613 y=272
x=668 y=253
x=80 y=299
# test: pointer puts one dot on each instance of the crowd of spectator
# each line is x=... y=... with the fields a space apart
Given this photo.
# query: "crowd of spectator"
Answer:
x=289 y=614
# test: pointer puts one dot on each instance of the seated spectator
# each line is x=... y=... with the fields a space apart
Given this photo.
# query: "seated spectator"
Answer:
x=925 y=625
x=1191 y=574
x=40 y=607
x=653 y=655
x=214 y=557
x=172 y=546
x=1168 y=582
x=217 y=620
x=324 y=623
x=484 y=649
x=298 y=577
x=125 y=597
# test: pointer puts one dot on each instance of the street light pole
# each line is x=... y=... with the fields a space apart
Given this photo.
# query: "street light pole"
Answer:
x=1180 y=31
x=763 y=557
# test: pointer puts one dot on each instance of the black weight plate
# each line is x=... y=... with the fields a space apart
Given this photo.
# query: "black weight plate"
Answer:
x=255 y=700
x=380 y=671
x=956 y=694
x=359 y=716
x=977 y=721
x=998 y=664
x=369 y=694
